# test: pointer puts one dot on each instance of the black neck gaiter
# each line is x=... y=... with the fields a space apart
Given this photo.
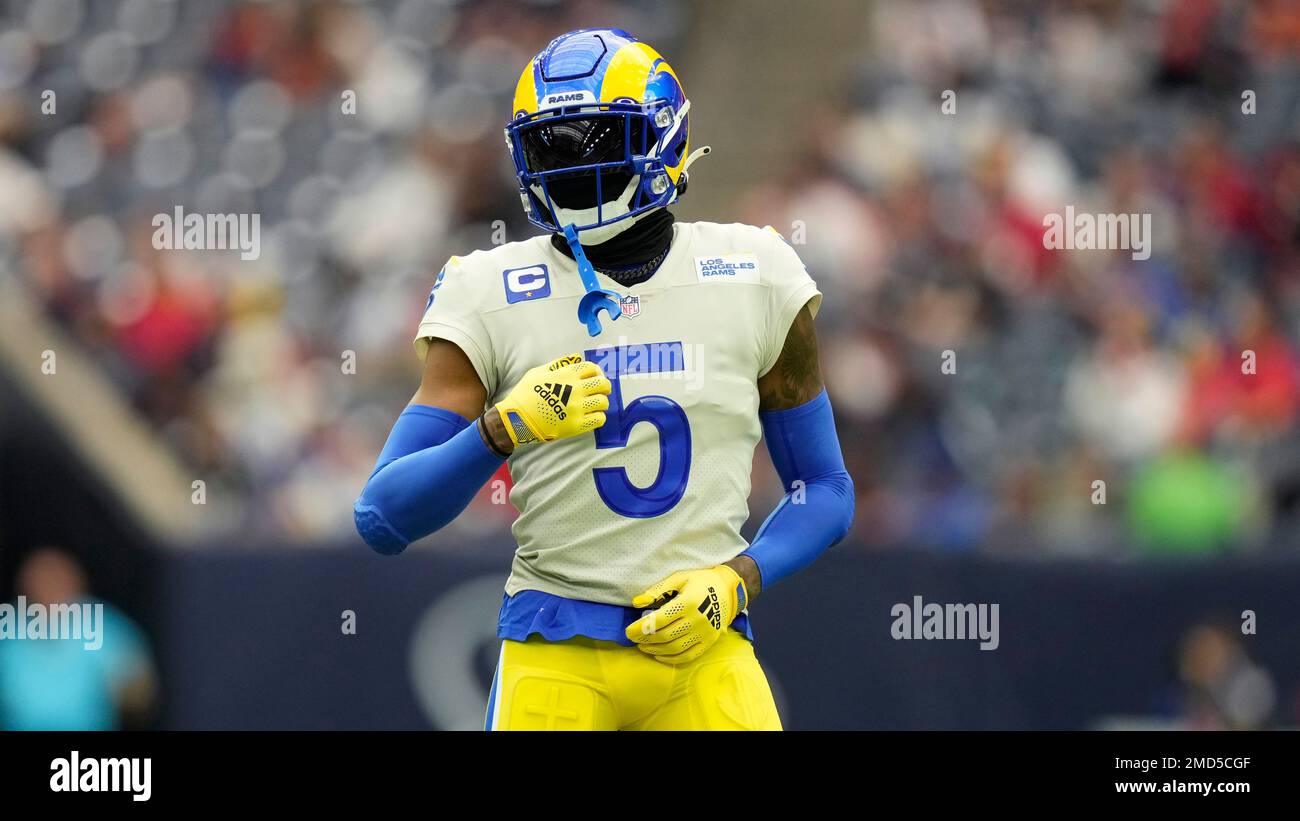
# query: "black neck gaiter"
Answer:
x=632 y=256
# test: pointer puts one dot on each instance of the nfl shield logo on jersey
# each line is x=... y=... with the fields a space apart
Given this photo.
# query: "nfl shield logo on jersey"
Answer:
x=631 y=305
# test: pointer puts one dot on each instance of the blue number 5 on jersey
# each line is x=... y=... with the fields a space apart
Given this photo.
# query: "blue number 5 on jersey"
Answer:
x=613 y=485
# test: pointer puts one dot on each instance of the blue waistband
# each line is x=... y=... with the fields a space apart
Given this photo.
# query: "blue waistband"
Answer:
x=555 y=618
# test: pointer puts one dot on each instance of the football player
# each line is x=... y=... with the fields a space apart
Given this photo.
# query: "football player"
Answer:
x=623 y=364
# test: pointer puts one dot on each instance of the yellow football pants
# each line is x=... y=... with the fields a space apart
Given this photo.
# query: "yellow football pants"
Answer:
x=585 y=684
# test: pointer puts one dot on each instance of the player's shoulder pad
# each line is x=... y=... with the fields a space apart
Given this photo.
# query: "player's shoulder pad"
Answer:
x=734 y=234
x=478 y=274
x=487 y=261
x=775 y=256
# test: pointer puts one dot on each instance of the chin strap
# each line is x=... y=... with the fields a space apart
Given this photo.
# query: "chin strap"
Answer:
x=685 y=179
x=596 y=299
x=702 y=151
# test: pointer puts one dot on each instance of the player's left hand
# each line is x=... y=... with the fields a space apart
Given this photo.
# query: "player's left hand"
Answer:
x=692 y=608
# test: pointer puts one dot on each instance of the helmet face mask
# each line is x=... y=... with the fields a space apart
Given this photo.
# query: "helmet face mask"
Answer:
x=583 y=190
x=553 y=143
x=599 y=135
x=582 y=161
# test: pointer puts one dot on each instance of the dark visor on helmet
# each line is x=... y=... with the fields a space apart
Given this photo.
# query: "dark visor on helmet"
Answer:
x=573 y=143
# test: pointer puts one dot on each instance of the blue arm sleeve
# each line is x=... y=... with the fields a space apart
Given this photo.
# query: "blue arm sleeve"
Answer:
x=816 y=512
x=430 y=468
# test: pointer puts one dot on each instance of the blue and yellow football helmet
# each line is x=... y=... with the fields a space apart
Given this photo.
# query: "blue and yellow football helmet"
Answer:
x=600 y=133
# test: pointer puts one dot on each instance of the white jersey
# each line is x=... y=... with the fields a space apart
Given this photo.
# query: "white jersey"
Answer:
x=664 y=484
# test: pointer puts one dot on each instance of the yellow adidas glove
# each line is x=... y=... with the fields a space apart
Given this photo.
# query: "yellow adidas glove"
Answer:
x=562 y=398
x=693 y=608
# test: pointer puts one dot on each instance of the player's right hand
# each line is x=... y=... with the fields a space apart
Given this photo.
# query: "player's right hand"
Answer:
x=562 y=398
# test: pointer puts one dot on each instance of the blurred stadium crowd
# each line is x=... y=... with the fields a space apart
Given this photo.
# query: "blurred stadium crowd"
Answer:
x=923 y=228
x=1071 y=367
